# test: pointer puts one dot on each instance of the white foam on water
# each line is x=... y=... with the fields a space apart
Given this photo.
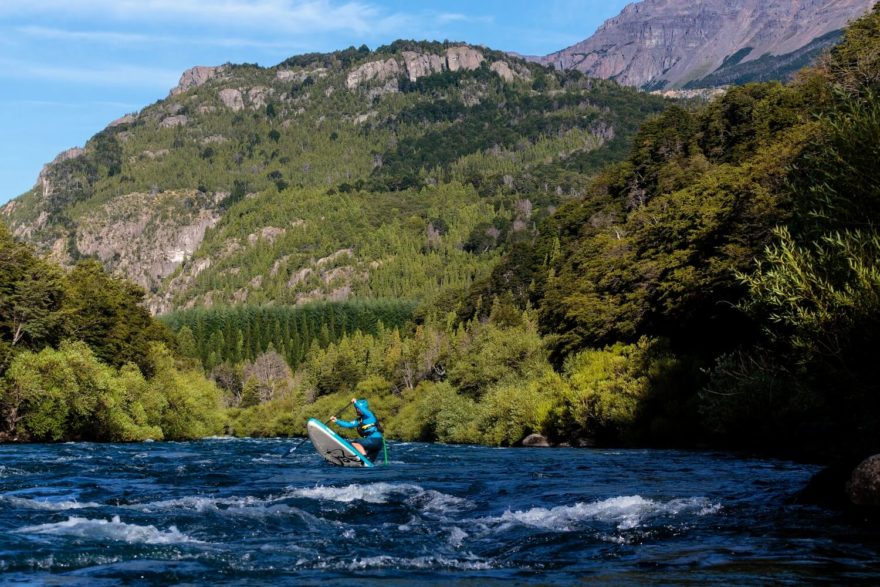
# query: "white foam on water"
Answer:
x=370 y=493
x=8 y=471
x=55 y=506
x=247 y=506
x=394 y=562
x=627 y=512
x=70 y=459
x=456 y=537
x=113 y=529
x=420 y=562
x=425 y=500
x=80 y=560
x=199 y=503
x=440 y=503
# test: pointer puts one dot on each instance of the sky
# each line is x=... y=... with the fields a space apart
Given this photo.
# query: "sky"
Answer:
x=69 y=67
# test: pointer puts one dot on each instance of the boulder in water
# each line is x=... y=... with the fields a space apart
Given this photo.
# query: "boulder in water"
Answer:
x=863 y=488
x=535 y=440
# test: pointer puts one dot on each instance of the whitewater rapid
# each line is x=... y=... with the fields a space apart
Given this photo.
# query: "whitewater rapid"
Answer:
x=226 y=511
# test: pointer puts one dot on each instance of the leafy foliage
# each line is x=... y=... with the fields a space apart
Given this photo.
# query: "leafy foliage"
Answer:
x=82 y=359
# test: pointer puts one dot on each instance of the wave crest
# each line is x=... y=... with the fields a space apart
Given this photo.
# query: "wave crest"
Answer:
x=427 y=500
x=113 y=529
x=627 y=512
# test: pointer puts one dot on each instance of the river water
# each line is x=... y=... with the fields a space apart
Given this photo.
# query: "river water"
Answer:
x=244 y=512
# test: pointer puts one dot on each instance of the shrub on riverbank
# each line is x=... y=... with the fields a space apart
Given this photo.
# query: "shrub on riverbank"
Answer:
x=81 y=359
x=68 y=394
x=480 y=382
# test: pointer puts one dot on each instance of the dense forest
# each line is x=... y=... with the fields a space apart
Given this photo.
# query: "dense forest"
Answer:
x=718 y=286
x=741 y=237
x=715 y=281
x=81 y=359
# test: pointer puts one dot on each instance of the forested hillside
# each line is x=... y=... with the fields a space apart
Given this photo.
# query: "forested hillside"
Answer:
x=352 y=175
x=743 y=237
x=719 y=286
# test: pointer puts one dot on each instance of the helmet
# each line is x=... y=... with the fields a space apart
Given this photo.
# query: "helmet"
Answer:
x=361 y=405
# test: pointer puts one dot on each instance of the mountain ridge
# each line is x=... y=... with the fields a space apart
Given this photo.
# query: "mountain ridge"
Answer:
x=222 y=192
x=666 y=44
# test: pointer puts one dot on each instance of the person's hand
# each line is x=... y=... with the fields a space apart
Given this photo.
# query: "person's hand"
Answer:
x=354 y=399
x=333 y=419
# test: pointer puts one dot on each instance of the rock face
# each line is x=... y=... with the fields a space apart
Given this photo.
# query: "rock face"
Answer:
x=374 y=70
x=421 y=64
x=195 y=77
x=127 y=119
x=863 y=488
x=535 y=440
x=417 y=65
x=258 y=95
x=503 y=70
x=668 y=43
x=133 y=237
x=463 y=57
x=48 y=181
x=232 y=99
x=172 y=121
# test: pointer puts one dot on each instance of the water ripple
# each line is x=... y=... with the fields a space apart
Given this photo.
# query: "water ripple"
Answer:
x=243 y=511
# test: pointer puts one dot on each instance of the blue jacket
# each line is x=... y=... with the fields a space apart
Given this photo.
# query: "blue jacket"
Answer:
x=366 y=421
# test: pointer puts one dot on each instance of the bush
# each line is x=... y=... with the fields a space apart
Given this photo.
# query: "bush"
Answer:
x=194 y=404
x=511 y=411
x=606 y=389
x=434 y=412
x=493 y=354
x=68 y=394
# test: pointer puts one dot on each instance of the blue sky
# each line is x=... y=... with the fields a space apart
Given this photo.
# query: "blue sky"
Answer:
x=68 y=67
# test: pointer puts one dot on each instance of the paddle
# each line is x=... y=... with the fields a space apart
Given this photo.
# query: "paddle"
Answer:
x=336 y=415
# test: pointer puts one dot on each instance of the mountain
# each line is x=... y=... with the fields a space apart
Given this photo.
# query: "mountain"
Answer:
x=664 y=44
x=394 y=173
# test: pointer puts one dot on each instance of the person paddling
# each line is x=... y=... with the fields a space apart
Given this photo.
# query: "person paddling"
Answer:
x=368 y=428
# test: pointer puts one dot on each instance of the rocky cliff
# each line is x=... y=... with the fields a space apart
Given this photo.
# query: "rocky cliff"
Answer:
x=661 y=44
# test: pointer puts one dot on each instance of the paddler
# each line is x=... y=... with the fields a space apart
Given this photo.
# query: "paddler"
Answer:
x=367 y=426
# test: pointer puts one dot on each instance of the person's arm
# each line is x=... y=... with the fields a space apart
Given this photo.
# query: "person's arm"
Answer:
x=344 y=423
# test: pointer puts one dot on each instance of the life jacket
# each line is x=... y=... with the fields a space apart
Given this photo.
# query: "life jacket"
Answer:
x=363 y=412
x=365 y=430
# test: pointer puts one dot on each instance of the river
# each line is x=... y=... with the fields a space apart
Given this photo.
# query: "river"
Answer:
x=244 y=512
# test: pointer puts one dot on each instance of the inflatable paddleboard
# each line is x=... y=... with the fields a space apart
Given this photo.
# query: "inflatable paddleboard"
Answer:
x=333 y=447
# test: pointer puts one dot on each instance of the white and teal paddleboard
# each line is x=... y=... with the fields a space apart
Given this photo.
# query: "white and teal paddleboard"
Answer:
x=333 y=447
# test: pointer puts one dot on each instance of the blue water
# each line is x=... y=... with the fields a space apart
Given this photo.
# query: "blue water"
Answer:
x=242 y=512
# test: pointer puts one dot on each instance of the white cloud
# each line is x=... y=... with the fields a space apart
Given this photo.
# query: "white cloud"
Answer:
x=114 y=38
x=450 y=17
x=87 y=36
x=90 y=105
x=280 y=16
x=112 y=76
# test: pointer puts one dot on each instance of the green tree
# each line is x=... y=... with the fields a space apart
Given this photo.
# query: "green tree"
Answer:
x=108 y=314
x=31 y=297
